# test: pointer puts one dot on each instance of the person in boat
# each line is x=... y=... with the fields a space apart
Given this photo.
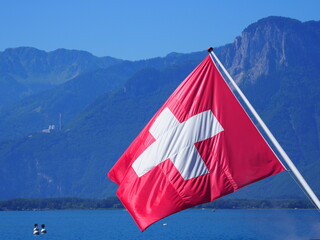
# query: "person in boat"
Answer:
x=36 y=229
x=43 y=229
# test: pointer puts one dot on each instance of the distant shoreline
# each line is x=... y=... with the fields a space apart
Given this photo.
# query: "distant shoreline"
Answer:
x=71 y=203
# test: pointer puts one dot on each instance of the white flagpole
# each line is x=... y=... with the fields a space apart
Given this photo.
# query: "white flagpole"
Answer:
x=269 y=134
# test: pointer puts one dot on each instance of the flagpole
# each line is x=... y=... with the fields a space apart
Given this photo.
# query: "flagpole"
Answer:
x=284 y=155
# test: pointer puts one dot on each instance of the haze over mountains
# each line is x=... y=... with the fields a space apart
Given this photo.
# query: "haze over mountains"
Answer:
x=98 y=106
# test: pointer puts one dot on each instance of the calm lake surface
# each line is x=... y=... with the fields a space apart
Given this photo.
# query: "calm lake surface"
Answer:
x=189 y=224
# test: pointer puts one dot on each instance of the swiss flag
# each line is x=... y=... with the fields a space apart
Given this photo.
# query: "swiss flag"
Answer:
x=199 y=146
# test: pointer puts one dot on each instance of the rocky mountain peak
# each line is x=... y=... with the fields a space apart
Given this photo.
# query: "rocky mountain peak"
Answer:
x=270 y=44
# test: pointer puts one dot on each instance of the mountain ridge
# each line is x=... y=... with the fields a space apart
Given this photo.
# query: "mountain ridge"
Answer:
x=27 y=62
x=35 y=70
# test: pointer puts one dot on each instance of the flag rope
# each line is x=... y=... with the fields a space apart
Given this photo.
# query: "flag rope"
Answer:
x=283 y=154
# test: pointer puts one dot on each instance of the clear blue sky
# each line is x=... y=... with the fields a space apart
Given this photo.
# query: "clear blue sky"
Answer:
x=137 y=29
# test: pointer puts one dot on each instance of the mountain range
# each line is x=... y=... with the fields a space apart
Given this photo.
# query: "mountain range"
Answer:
x=66 y=116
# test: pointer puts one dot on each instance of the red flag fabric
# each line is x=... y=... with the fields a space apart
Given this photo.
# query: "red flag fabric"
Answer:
x=199 y=146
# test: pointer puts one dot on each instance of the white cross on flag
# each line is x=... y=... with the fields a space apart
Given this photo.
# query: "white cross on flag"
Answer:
x=199 y=146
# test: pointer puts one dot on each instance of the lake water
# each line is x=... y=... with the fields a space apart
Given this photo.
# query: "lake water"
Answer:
x=189 y=224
